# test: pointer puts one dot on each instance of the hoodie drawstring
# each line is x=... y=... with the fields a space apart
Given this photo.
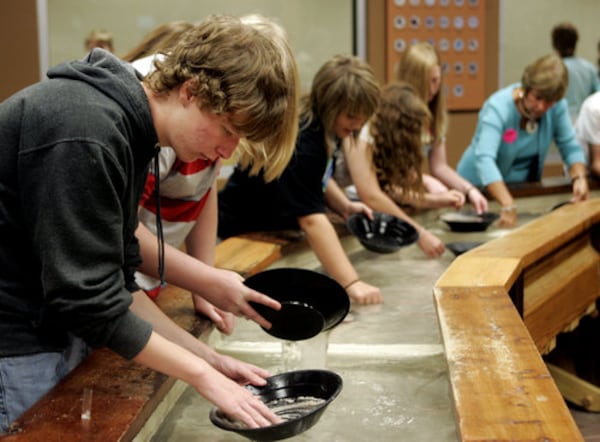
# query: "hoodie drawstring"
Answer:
x=159 y=230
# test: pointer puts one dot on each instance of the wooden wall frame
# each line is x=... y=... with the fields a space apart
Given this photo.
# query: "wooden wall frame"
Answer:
x=19 y=46
x=461 y=123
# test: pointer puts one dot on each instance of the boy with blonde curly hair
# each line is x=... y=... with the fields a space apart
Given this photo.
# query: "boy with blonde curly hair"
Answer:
x=74 y=161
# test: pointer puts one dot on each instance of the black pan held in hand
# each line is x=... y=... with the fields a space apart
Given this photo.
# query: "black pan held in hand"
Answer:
x=311 y=302
x=460 y=247
x=384 y=234
x=468 y=221
x=298 y=397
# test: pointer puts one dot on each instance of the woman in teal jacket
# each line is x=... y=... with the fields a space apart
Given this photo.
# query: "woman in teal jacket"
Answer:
x=515 y=130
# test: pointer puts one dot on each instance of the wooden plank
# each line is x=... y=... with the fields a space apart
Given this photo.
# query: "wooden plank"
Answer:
x=472 y=270
x=542 y=236
x=246 y=256
x=553 y=273
x=121 y=398
x=501 y=387
x=557 y=183
x=124 y=393
x=560 y=290
x=575 y=389
x=548 y=185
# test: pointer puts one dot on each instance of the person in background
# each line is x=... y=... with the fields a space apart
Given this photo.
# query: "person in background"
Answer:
x=99 y=38
x=515 y=129
x=160 y=39
x=73 y=164
x=587 y=128
x=387 y=158
x=583 y=78
x=188 y=190
x=343 y=95
x=421 y=66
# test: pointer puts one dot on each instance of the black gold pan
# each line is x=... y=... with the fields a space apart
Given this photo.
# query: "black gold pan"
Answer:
x=383 y=234
x=468 y=221
x=298 y=397
x=460 y=247
x=311 y=302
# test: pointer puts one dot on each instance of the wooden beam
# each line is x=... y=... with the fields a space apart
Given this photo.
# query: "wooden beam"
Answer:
x=501 y=387
x=575 y=389
x=124 y=393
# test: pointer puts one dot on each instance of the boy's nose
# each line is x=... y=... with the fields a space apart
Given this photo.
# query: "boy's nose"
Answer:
x=226 y=149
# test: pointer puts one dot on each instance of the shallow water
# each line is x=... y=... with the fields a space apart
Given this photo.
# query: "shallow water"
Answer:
x=389 y=356
x=402 y=400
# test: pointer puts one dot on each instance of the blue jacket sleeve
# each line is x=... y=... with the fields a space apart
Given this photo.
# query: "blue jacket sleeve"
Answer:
x=487 y=144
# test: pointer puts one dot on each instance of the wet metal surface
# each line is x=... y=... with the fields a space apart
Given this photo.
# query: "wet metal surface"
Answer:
x=390 y=356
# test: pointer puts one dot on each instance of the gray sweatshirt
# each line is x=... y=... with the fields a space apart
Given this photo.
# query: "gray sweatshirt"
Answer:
x=74 y=154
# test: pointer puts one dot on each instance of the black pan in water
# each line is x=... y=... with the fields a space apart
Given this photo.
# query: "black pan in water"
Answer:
x=384 y=234
x=311 y=302
x=460 y=247
x=298 y=397
x=468 y=221
x=559 y=205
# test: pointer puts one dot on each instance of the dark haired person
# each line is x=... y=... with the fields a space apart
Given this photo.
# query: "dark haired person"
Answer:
x=583 y=78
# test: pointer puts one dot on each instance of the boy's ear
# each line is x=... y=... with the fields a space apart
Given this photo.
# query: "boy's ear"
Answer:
x=185 y=94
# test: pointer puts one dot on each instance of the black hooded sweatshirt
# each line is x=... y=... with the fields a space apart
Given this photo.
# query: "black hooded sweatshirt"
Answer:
x=74 y=155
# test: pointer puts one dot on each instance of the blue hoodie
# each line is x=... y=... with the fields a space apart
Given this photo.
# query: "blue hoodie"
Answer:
x=74 y=155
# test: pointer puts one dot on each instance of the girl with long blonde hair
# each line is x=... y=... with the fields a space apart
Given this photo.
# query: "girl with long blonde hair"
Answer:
x=421 y=66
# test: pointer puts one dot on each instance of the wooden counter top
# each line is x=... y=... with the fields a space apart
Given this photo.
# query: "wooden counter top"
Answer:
x=124 y=393
x=500 y=306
